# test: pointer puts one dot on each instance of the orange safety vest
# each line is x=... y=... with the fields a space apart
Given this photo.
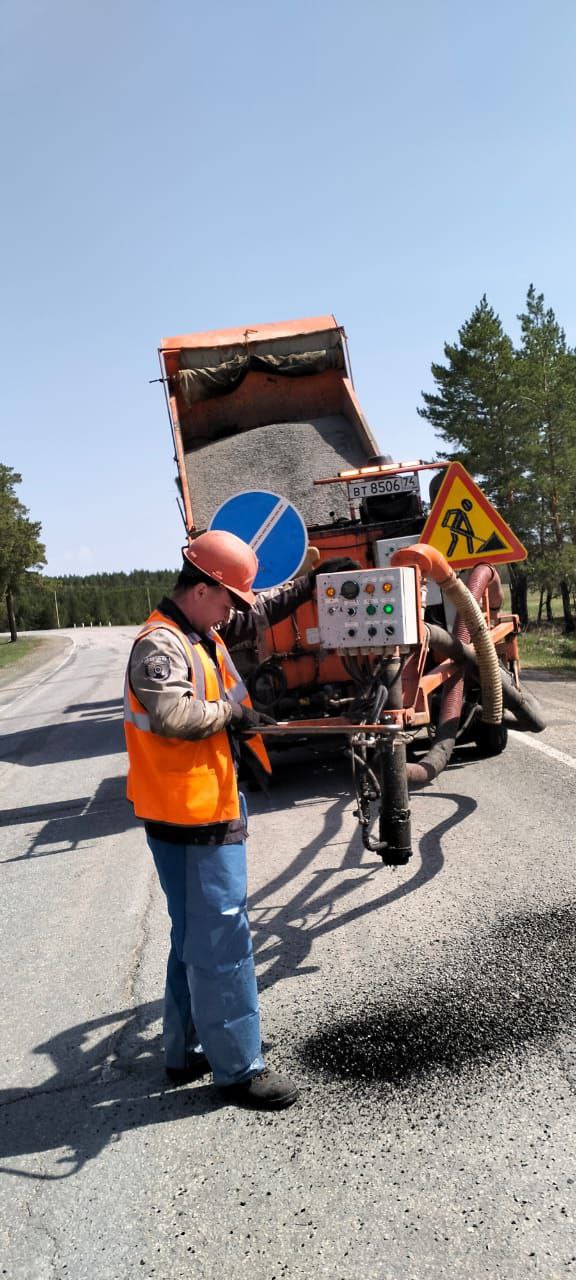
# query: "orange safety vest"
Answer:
x=181 y=781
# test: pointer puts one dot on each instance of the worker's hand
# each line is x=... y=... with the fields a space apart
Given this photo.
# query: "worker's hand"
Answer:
x=340 y=564
x=247 y=719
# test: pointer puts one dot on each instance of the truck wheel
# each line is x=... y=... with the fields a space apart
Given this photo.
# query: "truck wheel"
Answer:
x=490 y=739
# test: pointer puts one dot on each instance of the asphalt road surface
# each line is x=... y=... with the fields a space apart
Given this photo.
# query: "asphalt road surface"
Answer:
x=428 y=1013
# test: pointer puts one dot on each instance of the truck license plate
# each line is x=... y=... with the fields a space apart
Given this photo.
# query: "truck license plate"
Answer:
x=386 y=485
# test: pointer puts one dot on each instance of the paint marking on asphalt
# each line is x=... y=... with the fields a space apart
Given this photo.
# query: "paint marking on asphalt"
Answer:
x=269 y=523
x=560 y=756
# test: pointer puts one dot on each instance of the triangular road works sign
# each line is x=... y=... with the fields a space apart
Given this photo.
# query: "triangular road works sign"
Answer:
x=465 y=527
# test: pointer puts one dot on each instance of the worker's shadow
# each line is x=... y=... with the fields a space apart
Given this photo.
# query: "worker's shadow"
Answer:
x=284 y=935
x=108 y=1078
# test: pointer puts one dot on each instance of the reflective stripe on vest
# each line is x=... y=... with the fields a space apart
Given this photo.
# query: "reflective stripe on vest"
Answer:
x=237 y=690
x=139 y=718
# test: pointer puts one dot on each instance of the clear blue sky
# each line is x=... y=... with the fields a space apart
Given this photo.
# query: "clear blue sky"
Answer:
x=182 y=166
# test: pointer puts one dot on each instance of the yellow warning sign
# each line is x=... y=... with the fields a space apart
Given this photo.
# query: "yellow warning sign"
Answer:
x=465 y=527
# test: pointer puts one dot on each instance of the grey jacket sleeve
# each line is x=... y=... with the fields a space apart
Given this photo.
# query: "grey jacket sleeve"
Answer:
x=271 y=607
x=159 y=678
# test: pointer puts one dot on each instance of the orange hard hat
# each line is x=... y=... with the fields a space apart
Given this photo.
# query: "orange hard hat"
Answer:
x=227 y=559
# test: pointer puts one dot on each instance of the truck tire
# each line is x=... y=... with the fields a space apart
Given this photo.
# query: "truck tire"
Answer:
x=490 y=739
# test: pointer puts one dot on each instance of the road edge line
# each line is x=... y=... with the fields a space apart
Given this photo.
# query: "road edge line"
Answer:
x=552 y=752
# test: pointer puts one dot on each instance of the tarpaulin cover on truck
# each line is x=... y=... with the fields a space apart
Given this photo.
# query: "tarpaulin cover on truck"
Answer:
x=216 y=379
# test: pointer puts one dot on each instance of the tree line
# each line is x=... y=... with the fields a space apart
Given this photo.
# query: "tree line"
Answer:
x=508 y=413
x=97 y=599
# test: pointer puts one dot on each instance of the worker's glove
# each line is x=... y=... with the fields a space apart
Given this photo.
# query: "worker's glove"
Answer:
x=340 y=564
x=247 y=719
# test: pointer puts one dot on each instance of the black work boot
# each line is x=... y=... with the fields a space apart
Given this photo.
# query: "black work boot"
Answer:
x=268 y=1091
x=199 y=1066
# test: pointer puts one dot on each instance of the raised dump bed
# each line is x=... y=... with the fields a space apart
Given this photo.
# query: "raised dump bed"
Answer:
x=269 y=407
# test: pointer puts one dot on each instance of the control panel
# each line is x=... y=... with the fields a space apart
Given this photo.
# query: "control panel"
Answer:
x=367 y=608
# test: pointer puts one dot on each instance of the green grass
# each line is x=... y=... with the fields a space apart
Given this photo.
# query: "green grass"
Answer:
x=10 y=653
x=545 y=647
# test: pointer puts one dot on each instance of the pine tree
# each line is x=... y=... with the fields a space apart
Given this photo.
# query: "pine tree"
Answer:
x=477 y=412
x=547 y=394
x=20 y=546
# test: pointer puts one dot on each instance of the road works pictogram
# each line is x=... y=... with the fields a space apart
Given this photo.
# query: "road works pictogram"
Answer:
x=465 y=527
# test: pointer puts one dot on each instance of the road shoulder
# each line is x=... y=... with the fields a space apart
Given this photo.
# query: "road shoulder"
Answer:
x=33 y=667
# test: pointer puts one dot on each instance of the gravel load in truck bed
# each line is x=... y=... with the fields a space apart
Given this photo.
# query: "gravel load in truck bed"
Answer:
x=283 y=456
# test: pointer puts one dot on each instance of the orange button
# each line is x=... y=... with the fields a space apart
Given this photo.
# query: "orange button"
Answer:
x=387 y=586
x=370 y=588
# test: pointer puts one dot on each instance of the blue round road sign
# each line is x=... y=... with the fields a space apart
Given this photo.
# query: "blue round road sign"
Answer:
x=274 y=529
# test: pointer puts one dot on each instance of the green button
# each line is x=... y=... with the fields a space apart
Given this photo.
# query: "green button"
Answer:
x=371 y=608
x=388 y=608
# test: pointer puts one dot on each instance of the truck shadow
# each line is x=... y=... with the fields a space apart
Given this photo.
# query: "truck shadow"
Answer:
x=284 y=936
x=72 y=824
x=94 y=729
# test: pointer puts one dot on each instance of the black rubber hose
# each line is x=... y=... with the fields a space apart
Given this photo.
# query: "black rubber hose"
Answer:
x=422 y=772
x=523 y=705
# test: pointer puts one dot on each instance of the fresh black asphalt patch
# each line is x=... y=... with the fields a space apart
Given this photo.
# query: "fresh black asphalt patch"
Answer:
x=511 y=987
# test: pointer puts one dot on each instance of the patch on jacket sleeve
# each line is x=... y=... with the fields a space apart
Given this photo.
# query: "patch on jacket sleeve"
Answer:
x=157 y=666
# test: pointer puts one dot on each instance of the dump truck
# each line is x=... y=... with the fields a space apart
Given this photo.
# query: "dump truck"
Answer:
x=399 y=657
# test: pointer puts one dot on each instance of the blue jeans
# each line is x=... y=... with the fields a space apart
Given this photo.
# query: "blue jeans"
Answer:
x=211 y=999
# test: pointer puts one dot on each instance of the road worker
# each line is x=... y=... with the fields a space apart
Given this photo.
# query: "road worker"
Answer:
x=188 y=721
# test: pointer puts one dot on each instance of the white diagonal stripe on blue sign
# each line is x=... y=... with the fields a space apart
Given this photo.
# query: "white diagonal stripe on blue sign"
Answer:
x=268 y=524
